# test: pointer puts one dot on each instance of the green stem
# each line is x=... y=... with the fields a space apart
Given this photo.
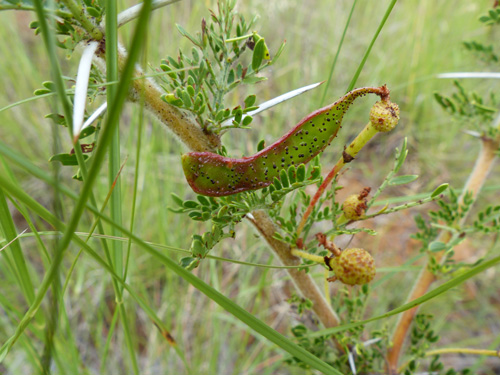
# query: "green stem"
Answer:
x=385 y=211
x=491 y=353
x=308 y=256
x=239 y=38
x=349 y=153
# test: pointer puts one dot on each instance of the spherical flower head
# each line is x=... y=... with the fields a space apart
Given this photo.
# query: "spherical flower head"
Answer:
x=354 y=266
x=354 y=207
x=384 y=116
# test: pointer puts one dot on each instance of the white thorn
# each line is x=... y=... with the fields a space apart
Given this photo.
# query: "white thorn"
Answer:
x=133 y=12
x=371 y=341
x=469 y=75
x=277 y=100
x=98 y=112
x=82 y=83
x=351 y=363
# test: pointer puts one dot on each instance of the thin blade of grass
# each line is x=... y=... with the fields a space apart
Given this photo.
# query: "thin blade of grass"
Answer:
x=426 y=297
x=114 y=147
x=240 y=313
x=332 y=68
x=104 y=141
x=367 y=53
x=15 y=250
x=114 y=180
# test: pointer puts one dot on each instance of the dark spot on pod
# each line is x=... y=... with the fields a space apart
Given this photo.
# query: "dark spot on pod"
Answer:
x=282 y=159
x=212 y=181
x=307 y=132
x=274 y=166
x=315 y=139
x=301 y=155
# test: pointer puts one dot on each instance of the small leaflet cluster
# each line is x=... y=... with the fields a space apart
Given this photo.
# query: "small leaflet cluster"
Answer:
x=215 y=66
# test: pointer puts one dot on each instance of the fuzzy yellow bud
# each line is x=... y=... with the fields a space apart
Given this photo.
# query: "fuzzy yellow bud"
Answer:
x=354 y=207
x=354 y=266
x=384 y=116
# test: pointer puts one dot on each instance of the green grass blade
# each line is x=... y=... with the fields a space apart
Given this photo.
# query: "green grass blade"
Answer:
x=104 y=141
x=332 y=68
x=21 y=271
x=140 y=126
x=58 y=224
x=426 y=297
x=240 y=313
x=367 y=53
x=114 y=148
x=114 y=180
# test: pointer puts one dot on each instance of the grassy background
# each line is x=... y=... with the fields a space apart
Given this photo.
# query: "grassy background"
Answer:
x=421 y=39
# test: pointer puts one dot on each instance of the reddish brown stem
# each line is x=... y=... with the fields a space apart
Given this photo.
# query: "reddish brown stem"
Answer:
x=319 y=193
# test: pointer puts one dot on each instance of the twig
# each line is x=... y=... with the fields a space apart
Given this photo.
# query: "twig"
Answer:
x=303 y=281
x=182 y=123
x=484 y=162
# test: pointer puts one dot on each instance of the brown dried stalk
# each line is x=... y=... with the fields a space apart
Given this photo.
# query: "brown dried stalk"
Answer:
x=303 y=281
x=484 y=162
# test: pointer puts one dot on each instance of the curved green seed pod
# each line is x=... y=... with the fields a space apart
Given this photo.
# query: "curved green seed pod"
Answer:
x=215 y=175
